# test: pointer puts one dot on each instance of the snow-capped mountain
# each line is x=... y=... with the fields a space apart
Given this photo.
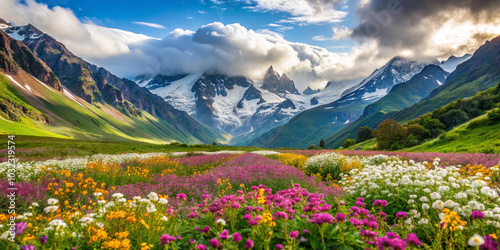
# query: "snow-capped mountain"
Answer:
x=322 y=121
x=236 y=105
x=450 y=64
x=4 y=24
x=380 y=82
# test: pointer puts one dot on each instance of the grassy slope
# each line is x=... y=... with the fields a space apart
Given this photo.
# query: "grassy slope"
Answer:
x=89 y=122
x=38 y=148
x=484 y=139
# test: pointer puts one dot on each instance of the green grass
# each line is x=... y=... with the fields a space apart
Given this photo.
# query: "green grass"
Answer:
x=366 y=145
x=484 y=137
x=37 y=148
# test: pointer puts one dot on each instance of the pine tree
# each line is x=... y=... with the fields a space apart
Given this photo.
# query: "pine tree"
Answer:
x=322 y=144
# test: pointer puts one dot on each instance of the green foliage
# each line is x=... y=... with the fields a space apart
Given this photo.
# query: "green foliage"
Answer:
x=432 y=126
x=479 y=122
x=390 y=135
x=322 y=144
x=454 y=117
x=494 y=115
x=364 y=133
x=311 y=147
x=348 y=142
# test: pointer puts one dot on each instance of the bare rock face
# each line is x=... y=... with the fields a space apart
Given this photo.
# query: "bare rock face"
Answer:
x=277 y=84
x=14 y=56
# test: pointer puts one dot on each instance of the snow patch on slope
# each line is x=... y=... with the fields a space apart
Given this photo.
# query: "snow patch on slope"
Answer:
x=224 y=105
x=14 y=81
x=377 y=94
x=179 y=93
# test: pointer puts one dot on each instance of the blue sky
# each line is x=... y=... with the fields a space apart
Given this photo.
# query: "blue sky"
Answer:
x=191 y=15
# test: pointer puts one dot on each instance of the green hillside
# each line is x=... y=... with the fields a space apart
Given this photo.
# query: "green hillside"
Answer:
x=479 y=73
x=478 y=135
x=401 y=96
x=46 y=112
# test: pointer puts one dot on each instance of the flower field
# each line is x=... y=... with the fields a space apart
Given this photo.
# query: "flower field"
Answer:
x=261 y=200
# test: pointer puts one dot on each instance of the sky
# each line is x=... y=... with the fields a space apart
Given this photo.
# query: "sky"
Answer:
x=312 y=41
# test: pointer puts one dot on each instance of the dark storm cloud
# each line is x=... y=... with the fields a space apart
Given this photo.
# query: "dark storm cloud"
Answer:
x=410 y=24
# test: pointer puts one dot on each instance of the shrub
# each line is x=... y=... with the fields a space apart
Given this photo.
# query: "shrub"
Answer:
x=348 y=142
x=322 y=144
x=389 y=133
x=453 y=118
x=311 y=147
x=432 y=126
x=364 y=133
x=329 y=166
x=479 y=122
x=494 y=115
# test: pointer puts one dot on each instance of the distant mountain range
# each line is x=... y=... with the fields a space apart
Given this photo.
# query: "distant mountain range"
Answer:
x=210 y=107
x=238 y=105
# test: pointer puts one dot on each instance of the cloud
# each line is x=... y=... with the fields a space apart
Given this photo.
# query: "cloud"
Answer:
x=228 y=49
x=427 y=28
x=202 y=12
x=152 y=25
x=321 y=38
x=303 y=12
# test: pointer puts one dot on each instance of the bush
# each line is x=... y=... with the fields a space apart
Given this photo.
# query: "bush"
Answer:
x=390 y=132
x=329 y=166
x=364 y=133
x=494 y=115
x=348 y=142
x=453 y=118
x=311 y=147
x=322 y=144
x=432 y=126
x=480 y=122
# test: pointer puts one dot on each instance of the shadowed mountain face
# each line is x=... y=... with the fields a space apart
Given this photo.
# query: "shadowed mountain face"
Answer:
x=97 y=85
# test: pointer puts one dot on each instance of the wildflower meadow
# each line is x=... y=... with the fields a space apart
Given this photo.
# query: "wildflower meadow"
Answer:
x=259 y=200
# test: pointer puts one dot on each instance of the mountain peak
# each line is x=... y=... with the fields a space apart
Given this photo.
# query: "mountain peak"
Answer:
x=4 y=24
x=310 y=91
x=271 y=73
x=277 y=84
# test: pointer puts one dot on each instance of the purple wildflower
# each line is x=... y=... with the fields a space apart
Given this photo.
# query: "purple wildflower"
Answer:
x=236 y=237
x=412 y=239
x=401 y=214
x=43 y=239
x=20 y=227
x=477 y=215
x=249 y=244
x=321 y=218
x=340 y=217
x=214 y=242
x=294 y=234
x=489 y=243
x=224 y=235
